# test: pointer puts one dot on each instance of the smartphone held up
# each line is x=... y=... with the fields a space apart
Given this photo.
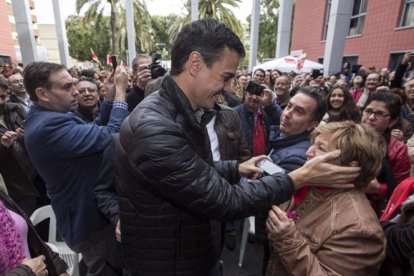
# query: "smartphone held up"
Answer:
x=255 y=88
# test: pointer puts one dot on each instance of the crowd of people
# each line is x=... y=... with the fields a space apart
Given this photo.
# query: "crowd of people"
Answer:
x=148 y=174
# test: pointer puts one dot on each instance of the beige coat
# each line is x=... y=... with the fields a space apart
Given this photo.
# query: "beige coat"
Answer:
x=337 y=233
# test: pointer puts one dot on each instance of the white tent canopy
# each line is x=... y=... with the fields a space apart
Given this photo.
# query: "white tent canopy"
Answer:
x=288 y=64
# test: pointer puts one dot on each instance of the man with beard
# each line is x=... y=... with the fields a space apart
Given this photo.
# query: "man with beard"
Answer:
x=68 y=154
x=257 y=113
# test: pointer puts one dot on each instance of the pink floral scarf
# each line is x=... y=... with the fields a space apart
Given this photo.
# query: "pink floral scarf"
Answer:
x=11 y=253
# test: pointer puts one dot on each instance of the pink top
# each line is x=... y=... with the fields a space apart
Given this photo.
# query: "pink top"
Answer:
x=21 y=227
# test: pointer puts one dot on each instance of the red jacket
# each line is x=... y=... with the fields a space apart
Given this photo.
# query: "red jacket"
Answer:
x=356 y=93
x=399 y=162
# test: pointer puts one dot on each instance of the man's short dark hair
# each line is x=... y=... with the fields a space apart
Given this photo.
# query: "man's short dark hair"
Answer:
x=320 y=109
x=209 y=38
x=89 y=73
x=140 y=56
x=88 y=79
x=259 y=69
x=37 y=74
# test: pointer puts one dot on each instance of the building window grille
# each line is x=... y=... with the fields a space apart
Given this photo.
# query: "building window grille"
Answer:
x=327 y=16
x=359 y=12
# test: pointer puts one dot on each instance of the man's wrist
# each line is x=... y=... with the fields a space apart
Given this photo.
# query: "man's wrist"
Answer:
x=297 y=178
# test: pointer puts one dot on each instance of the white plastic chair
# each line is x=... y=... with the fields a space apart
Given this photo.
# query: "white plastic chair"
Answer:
x=248 y=227
x=70 y=257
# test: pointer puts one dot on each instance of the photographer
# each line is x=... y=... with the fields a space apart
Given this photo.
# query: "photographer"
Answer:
x=144 y=69
x=157 y=74
x=140 y=77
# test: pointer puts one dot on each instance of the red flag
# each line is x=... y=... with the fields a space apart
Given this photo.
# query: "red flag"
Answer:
x=300 y=62
x=94 y=56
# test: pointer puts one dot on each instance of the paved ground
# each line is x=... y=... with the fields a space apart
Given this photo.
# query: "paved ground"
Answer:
x=252 y=264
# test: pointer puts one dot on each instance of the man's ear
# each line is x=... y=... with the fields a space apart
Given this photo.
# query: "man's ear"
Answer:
x=42 y=94
x=313 y=125
x=195 y=63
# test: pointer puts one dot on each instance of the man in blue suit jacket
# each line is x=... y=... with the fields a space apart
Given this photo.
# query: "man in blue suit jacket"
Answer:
x=67 y=152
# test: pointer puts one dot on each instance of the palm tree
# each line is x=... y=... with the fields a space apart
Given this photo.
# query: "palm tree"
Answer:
x=144 y=32
x=95 y=13
x=217 y=9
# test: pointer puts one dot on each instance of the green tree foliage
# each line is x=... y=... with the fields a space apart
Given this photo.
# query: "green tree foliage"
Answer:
x=162 y=42
x=95 y=14
x=267 y=28
x=82 y=39
x=144 y=32
x=217 y=9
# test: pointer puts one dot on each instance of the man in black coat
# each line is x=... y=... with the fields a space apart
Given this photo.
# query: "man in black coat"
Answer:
x=171 y=193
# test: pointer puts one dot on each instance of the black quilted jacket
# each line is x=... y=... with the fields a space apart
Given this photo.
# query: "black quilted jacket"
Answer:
x=172 y=195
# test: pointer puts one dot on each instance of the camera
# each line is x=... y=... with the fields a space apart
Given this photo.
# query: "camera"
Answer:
x=316 y=73
x=255 y=88
x=157 y=70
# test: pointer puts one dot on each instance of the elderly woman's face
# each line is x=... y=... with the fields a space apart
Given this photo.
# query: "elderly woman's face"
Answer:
x=322 y=144
x=377 y=116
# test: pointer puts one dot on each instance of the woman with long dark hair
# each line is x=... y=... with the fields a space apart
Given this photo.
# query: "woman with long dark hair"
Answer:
x=340 y=105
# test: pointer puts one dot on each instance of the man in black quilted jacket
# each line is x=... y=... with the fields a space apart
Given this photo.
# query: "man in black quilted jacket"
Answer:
x=171 y=193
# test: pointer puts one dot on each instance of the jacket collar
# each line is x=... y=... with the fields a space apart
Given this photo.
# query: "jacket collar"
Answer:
x=170 y=89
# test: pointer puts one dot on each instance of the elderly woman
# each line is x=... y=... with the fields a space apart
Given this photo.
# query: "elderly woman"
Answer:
x=332 y=231
x=88 y=108
x=22 y=252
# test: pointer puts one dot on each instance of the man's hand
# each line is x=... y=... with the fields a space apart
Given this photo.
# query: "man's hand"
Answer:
x=143 y=76
x=8 y=138
x=373 y=187
x=318 y=172
x=248 y=168
x=397 y=133
x=110 y=87
x=407 y=57
x=37 y=265
x=266 y=99
x=118 y=231
x=121 y=83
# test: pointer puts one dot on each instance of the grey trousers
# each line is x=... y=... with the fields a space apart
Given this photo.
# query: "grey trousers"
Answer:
x=101 y=253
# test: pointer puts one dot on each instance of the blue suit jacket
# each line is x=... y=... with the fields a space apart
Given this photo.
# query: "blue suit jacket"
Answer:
x=67 y=152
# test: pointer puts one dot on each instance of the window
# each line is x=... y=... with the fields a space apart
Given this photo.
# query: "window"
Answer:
x=407 y=18
x=395 y=59
x=327 y=16
x=359 y=11
x=352 y=60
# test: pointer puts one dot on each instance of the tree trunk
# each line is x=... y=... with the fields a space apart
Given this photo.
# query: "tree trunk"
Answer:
x=113 y=29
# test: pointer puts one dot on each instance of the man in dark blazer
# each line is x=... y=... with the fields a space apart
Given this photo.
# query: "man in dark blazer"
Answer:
x=67 y=152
